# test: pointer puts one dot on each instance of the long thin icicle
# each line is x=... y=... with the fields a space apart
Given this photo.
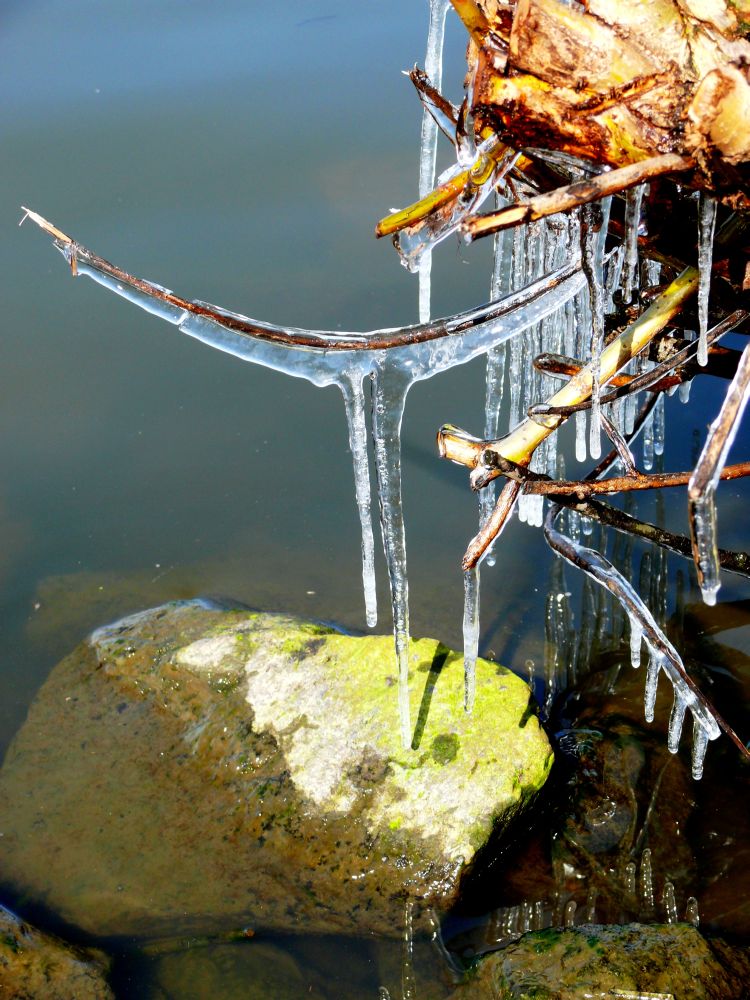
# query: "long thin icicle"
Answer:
x=633 y=201
x=387 y=412
x=354 y=401
x=471 y=634
x=593 y=229
x=433 y=65
x=705 y=479
x=706 y=227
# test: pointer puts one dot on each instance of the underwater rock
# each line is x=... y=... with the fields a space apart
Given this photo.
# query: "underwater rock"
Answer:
x=34 y=964
x=254 y=971
x=630 y=961
x=191 y=767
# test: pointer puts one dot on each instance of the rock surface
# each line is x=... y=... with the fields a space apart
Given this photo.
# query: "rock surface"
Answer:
x=34 y=965
x=190 y=767
x=630 y=961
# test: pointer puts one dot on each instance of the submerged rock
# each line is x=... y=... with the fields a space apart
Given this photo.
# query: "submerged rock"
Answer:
x=189 y=767
x=34 y=965
x=630 y=961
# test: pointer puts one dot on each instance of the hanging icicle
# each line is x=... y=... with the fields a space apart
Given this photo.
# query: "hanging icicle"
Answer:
x=706 y=227
x=433 y=66
x=705 y=479
x=633 y=202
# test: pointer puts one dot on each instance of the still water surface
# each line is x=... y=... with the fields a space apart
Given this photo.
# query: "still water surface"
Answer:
x=240 y=154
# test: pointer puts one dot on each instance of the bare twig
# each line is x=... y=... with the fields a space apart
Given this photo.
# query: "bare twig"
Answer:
x=494 y=525
x=574 y=195
x=612 y=517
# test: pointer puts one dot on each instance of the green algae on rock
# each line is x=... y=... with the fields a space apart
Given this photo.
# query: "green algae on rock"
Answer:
x=34 y=965
x=628 y=961
x=189 y=767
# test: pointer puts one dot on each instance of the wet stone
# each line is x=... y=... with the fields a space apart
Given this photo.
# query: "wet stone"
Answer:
x=34 y=965
x=191 y=768
x=664 y=961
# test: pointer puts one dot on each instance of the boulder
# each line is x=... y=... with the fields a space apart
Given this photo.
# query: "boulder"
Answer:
x=191 y=768
x=34 y=965
x=628 y=961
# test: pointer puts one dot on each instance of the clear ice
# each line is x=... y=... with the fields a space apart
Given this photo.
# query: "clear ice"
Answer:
x=593 y=231
x=706 y=227
x=433 y=66
x=705 y=479
x=633 y=201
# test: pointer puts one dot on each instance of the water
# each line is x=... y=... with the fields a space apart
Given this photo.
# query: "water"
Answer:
x=141 y=465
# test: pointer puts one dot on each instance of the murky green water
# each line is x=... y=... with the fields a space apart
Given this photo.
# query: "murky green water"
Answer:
x=242 y=153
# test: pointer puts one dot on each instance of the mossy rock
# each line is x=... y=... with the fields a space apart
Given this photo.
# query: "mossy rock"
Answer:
x=34 y=965
x=630 y=961
x=191 y=767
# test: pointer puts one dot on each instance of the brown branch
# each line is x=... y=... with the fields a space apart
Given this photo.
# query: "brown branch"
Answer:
x=612 y=517
x=621 y=484
x=580 y=193
x=494 y=525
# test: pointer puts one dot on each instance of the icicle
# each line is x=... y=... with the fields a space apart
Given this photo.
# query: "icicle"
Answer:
x=706 y=227
x=471 y=634
x=705 y=479
x=527 y=915
x=691 y=912
x=591 y=906
x=676 y=719
x=592 y=226
x=659 y=426
x=648 y=438
x=538 y=921
x=652 y=680
x=669 y=903
x=636 y=638
x=701 y=737
x=646 y=878
x=633 y=200
x=433 y=65
x=354 y=401
x=388 y=408
x=569 y=918
x=581 y=449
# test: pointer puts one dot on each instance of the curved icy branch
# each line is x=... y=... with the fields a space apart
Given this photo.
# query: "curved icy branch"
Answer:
x=323 y=340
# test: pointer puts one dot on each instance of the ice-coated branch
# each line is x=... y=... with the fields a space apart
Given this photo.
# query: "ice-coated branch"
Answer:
x=166 y=304
x=613 y=517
